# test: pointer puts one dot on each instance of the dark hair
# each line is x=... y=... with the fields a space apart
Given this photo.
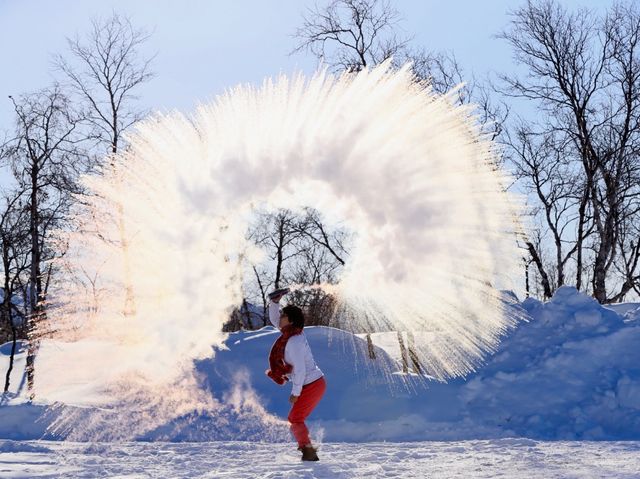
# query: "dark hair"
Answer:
x=295 y=315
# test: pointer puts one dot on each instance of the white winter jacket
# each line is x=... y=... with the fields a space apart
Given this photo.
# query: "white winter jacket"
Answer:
x=298 y=354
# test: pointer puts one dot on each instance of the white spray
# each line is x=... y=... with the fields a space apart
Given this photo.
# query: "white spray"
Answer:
x=402 y=167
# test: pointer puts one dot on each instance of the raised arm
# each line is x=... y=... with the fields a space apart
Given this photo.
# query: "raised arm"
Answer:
x=274 y=313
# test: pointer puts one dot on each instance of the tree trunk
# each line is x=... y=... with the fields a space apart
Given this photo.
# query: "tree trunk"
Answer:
x=560 y=263
x=245 y=305
x=543 y=274
x=601 y=263
x=7 y=381
x=5 y=314
x=526 y=277
x=403 y=354
x=263 y=294
x=34 y=281
x=415 y=361
x=279 y=254
x=582 y=210
x=370 y=348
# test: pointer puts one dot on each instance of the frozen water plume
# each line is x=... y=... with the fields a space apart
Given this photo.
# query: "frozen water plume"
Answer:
x=157 y=257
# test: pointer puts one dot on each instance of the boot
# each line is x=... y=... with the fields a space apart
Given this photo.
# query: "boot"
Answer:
x=309 y=453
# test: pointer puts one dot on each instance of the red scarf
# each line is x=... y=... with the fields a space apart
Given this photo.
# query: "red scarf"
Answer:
x=276 y=357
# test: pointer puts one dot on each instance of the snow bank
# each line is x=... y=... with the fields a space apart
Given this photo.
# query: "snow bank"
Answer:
x=571 y=372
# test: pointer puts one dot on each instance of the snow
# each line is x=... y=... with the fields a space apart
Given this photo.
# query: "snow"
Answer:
x=502 y=458
x=572 y=372
x=624 y=309
x=567 y=377
x=18 y=379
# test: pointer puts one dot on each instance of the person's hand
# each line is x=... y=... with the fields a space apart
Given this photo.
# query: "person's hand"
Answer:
x=293 y=399
x=277 y=295
x=277 y=299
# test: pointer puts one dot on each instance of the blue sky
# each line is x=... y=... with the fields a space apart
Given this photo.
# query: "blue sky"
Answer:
x=204 y=47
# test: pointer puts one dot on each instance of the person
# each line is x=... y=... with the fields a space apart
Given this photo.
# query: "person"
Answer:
x=291 y=359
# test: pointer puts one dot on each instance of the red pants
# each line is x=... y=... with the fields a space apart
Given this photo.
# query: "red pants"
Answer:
x=307 y=401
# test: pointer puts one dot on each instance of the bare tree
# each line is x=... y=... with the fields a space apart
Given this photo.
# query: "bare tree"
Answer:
x=312 y=227
x=549 y=175
x=315 y=266
x=106 y=70
x=444 y=73
x=278 y=233
x=627 y=264
x=45 y=159
x=301 y=250
x=351 y=34
x=14 y=245
x=583 y=73
x=535 y=254
x=261 y=278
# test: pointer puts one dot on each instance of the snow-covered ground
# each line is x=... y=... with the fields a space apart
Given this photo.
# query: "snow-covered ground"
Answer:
x=552 y=401
x=502 y=458
x=571 y=373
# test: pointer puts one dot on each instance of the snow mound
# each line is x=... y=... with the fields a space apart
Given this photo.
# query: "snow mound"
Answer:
x=572 y=372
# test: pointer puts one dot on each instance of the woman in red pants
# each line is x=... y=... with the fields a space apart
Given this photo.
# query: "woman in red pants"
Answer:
x=291 y=360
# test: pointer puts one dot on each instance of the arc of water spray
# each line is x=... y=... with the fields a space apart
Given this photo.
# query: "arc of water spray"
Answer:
x=408 y=171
